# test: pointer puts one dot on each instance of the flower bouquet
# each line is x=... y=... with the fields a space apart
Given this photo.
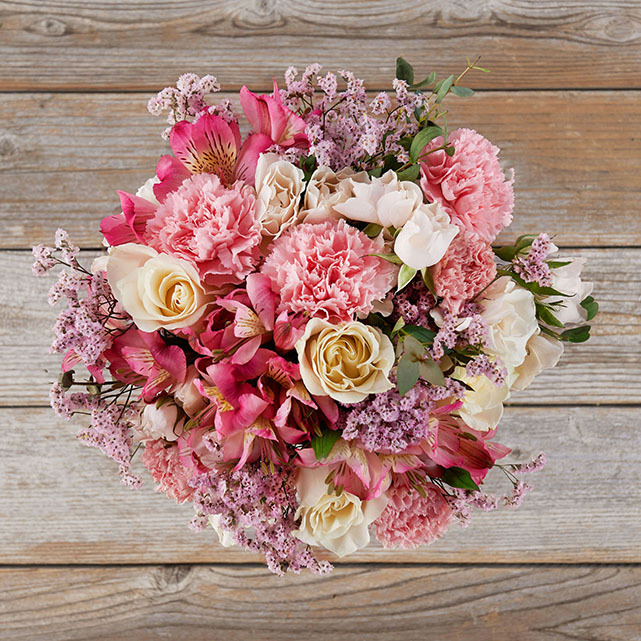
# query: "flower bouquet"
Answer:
x=307 y=332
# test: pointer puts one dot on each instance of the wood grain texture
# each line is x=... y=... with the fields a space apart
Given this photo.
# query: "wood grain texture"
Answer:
x=354 y=603
x=607 y=369
x=62 y=158
x=142 y=44
x=61 y=502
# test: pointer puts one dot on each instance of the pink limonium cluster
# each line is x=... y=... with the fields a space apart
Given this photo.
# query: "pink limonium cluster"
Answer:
x=301 y=321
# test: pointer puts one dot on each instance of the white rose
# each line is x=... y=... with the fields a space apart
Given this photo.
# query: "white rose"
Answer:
x=385 y=201
x=156 y=290
x=482 y=405
x=543 y=352
x=188 y=394
x=160 y=422
x=225 y=537
x=279 y=185
x=337 y=523
x=425 y=237
x=567 y=280
x=347 y=361
x=325 y=190
x=510 y=313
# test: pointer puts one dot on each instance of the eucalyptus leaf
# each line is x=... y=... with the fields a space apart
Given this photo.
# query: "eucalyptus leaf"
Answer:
x=407 y=374
x=404 y=70
x=422 y=138
x=431 y=372
x=398 y=325
x=323 y=444
x=458 y=477
x=428 y=280
x=444 y=88
x=411 y=173
x=462 y=92
x=426 y=336
x=413 y=349
x=426 y=81
x=390 y=258
x=405 y=276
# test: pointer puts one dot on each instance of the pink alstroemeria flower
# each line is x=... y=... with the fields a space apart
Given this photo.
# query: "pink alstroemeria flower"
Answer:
x=143 y=358
x=269 y=116
x=211 y=145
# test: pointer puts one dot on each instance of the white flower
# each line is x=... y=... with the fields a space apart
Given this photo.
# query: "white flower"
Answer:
x=279 y=185
x=510 y=313
x=156 y=290
x=188 y=395
x=482 y=405
x=147 y=190
x=164 y=421
x=385 y=201
x=567 y=280
x=543 y=352
x=338 y=523
x=425 y=237
x=325 y=190
x=225 y=537
x=347 y=361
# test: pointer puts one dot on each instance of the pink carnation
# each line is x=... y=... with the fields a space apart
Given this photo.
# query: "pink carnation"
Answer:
x=470 y=184
x=213 y=226
x=163 y=461
x=409 y=520
x=327 y=270
x=466 y=269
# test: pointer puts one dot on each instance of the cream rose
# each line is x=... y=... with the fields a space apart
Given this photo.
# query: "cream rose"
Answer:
x=347 y=361
x=279 y=185
x=156 y=290
x=543 y=352
x=511 y=317
x=482 y=405
x=160 y=421
x=325 y=190
x=425 y=237
x=337 y=523
x=385 y=201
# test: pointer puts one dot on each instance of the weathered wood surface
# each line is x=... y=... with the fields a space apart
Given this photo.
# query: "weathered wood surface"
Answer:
x=607 y=369
x=576 y=156
x=141 y=44
x=61 y=502
x=376 y=603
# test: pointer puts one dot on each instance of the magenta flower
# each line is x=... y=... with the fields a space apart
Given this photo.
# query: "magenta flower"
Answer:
x=268 y=116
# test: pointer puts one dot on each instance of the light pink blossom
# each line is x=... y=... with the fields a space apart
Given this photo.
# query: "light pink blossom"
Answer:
x=163 y=461
x=327 y=270
x=470 y=184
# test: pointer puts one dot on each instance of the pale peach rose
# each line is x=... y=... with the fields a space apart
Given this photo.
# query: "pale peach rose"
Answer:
x=347 y=361
x=156 y=290
x=339 y=523
x=279 y=185
x=187 y=394
x=160 y=420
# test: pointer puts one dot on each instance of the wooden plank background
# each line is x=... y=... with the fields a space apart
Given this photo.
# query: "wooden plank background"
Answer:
x=83 y=558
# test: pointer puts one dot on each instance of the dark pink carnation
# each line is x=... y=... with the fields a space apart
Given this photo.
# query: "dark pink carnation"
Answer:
x=410 y=520
x=327 y=270
x=466 y=269
x=163 y=461
x=213 y=226
x=470 y=184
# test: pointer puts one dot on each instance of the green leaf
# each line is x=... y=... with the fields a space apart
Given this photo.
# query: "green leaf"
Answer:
x=422 y=334
x=322 y=445
x=450 y=151
x=576 y=334
x=505 y=253
x=590 y=306
x=422 y=138
x=443 y=88
x=405 y=276
x=462 y=92
x=404 y=70
x=376 y=172
x=426 y=81
x=458 y=477
x=407 y=374
x=431 y=372
x=428 y=280
x=411 y=173
x=398 y=325
x=413 y=349
x=546 y=316
x=372 y=230
x=524 y=241
x=555 y=264
x=390 y=258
